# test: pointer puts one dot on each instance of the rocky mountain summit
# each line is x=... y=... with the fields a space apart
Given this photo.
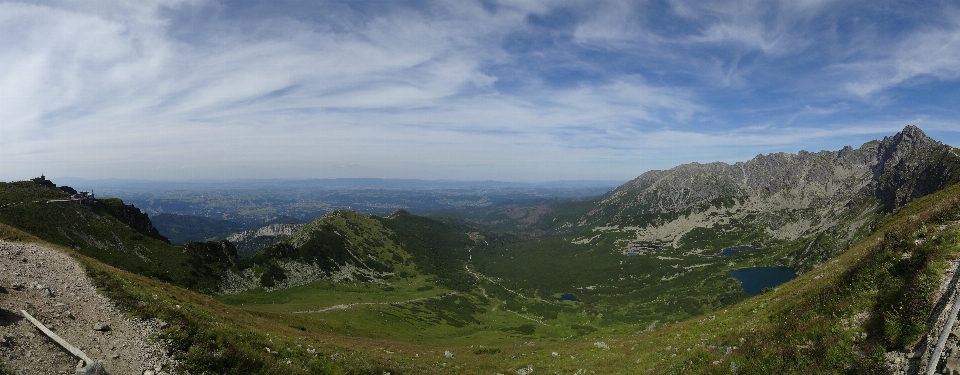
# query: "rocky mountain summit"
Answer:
x=894 y=170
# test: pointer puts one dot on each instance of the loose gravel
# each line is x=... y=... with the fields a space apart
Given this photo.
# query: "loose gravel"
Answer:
x=52 y=287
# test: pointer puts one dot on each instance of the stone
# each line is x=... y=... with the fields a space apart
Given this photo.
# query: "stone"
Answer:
x=952 y=367
x=148 y=372
x=101 y=326
x=93 y=369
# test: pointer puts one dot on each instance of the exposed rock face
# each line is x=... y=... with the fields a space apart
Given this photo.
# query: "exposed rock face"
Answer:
x=132 y=216
x=910 y=165
x=895 y=170
x=250 y=241
x=269 y=230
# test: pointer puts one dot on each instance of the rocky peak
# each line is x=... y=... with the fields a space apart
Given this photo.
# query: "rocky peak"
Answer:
x=894 y=149
x=895 y=170
x=910 y=165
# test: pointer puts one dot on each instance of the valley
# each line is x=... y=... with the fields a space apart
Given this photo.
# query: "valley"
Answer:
x=635 y=279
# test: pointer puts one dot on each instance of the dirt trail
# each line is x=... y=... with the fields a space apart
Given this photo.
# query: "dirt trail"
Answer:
x=53 y=288
x=349 y=305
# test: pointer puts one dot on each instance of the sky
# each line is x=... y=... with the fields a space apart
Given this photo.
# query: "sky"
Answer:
x=463 y=90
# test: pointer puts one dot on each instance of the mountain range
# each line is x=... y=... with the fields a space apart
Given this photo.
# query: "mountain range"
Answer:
x=641 y=267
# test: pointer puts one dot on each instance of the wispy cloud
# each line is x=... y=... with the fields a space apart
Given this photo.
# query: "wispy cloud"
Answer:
x=460 y=89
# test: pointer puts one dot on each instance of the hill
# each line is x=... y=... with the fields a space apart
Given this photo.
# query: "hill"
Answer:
x=634 y=281
x=845 y=316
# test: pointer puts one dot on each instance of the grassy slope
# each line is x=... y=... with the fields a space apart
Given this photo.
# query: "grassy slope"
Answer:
x=211 y=337
x=813 y=324
x=96 y=233
x=807 y=325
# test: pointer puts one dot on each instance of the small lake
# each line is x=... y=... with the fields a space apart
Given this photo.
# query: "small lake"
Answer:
x=733 y=250
x=568 y=297
x=754 y=279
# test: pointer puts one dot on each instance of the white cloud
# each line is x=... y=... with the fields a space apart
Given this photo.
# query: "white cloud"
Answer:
x=931 y=53
x=106 y=89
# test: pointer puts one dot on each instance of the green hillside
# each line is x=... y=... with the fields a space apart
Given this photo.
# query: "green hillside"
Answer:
x=96 y=232
x=644 y=273
x=841 y=317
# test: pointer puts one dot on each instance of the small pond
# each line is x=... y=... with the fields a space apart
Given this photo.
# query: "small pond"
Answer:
x=733 y=250
x=568 y=297
x=754 y=279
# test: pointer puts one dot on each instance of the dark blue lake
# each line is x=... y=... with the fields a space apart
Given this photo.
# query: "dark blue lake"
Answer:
x=754 y=279
x=733 y=250
x=568 y=297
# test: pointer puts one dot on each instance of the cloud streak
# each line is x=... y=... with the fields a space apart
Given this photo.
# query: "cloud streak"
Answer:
x=466 y=90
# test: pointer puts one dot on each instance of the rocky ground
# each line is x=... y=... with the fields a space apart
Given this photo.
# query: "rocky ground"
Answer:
x=53 y=288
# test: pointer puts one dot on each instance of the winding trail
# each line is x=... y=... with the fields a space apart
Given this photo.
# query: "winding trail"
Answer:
x=351 y=305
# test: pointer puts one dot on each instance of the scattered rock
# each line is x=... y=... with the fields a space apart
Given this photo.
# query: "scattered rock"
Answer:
x=64 y=291
x=6 y=341
x=94 y=369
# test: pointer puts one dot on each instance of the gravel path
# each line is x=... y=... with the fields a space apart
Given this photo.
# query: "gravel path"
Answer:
x=53 y=288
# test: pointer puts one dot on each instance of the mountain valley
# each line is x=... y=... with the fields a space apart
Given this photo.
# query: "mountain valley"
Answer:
x=644 y=272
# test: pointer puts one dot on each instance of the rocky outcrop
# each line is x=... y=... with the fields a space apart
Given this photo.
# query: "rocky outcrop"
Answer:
x=131 y=216
x=250 y=241
x=910 y=165
x=895 y=170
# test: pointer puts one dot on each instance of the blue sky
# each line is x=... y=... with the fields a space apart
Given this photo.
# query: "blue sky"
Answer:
x=468 y=90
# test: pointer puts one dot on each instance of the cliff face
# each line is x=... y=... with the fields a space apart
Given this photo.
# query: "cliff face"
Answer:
x=910 y=165
x=132 y=216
